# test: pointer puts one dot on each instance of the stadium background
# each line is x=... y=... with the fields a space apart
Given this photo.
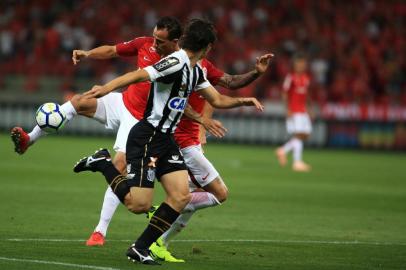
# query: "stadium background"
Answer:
x=356 y=52
x=348 y=213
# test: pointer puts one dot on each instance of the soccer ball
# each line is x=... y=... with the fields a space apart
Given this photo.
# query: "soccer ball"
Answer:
x=50 y=117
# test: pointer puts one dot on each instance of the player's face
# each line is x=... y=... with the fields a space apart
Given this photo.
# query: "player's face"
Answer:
x=162 y=44
x=300 y=65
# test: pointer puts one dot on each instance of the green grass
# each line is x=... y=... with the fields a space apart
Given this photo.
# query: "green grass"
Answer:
x=309 y=221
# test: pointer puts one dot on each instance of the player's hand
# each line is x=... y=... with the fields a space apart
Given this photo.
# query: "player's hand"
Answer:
x=251 y=101
x=97 y=91
x=263 y=62
x=215 y=127
x=77 y=55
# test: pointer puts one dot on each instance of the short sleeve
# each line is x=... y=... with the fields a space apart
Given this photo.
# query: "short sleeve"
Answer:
x=131 y=48
x=164 y=67
x=202 y=82
x=287 y=83
x=213 y=73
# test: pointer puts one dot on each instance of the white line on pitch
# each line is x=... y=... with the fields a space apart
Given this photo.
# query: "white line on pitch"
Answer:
x=58 y=263
x=228 y=240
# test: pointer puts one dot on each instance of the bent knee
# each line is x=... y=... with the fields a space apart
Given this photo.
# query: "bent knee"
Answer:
x=222 y=195
x=180 y=199
x=121 y=165
x=138 y=208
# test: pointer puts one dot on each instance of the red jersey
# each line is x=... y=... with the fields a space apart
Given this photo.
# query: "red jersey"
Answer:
x=296 y=86
x=136 y=95
x=187 y=132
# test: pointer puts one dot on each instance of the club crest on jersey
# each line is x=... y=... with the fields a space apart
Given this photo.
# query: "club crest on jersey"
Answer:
x=166 y=63
x=177 y=104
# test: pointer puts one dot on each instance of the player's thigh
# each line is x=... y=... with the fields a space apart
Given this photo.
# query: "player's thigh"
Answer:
x=201 y=170
x=84 y=105
x=176 y=187
x=126 y=122
x=120 y=162
x=109 y=110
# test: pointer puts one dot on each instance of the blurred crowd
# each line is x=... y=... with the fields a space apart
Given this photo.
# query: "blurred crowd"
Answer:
x=356 y=49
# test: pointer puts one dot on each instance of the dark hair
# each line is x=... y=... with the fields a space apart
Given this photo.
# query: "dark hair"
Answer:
x=172 y=25
x=198 y=35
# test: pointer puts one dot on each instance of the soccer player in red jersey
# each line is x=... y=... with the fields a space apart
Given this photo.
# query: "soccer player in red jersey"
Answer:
x=298 y=124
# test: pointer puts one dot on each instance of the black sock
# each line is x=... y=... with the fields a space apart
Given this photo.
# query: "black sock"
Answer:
x=114 y=178
x=160 y=222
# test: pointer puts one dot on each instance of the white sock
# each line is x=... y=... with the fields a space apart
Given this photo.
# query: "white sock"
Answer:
x=297 y=150
x=37 y=132
x=69 y=110
x=288 y=146
x=110 y=204
x=176 y=227
x=200 y=200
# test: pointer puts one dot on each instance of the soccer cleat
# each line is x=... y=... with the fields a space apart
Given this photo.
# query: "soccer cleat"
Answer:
x=159 y=251
x=96 y=239
x=281 y=155
x=151 y=211
x=140 y=255
x=21 y=140
x=300 y=166
x=87 y=163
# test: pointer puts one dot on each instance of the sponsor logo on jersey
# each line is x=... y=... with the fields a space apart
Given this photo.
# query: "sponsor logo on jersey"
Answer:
x=166 y=63
x=146 y=58
x=177 y=104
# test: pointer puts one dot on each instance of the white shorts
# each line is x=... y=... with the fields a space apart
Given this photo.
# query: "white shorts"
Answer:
x=299 y=123
x=112 y=112
x=201 y=171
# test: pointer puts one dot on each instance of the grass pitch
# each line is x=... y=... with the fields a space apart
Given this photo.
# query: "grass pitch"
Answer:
x=348 y=213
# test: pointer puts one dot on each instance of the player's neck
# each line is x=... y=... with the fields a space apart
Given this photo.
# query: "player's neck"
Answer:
x=194 y=57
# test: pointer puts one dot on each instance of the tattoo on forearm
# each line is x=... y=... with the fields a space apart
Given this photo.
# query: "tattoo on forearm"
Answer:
x=238 y=81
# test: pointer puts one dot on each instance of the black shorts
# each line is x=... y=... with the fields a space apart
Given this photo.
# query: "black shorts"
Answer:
x=151 y=154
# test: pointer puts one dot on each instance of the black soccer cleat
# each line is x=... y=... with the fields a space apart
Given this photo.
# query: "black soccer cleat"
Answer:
x=87 y=163
x=140 y=255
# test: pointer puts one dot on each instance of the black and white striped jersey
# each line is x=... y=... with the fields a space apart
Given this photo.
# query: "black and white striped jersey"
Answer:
x=173 y=79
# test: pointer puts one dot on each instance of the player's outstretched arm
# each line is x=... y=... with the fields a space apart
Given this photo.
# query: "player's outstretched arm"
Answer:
x=139 y=75
x=234 y=82
x=213 y=126
x=220 y=101
x=102 y=52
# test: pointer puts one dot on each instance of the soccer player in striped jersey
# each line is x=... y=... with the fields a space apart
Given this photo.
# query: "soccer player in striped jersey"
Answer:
x=298 y=124
x=151 y=149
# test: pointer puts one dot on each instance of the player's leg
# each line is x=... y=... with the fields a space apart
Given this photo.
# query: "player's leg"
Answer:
x=164 y=161
x=109 y=206
x=111 y=202
x=202 y=173
x=79 y=104
x=176 y=187
x=302 y=131
x=282 y=151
